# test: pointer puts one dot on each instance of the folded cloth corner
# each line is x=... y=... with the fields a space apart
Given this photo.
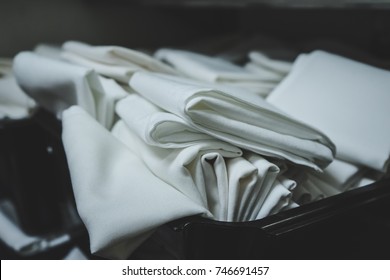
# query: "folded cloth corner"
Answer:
x=119 y=200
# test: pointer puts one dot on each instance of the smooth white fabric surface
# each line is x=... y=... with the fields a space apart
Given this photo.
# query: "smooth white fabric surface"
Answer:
x=118 y=198
x=113 y=61
x=345 y=99
x=237 y=117
x=157 y=127
x=56 y=85
x=14 y=103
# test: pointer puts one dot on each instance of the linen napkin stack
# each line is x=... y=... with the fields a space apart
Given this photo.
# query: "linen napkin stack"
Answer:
x=115 y=62
x=216 y=70
x=345 y=99
x=211 y=172
x=119 y=199
x=207 y=144
x=237 y=117
x=14 y=103
x=56 y=85
x=271 y=70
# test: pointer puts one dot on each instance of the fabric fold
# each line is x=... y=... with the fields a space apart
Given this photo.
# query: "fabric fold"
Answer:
x=157 y=127
x=119 y=200
x=277 y=66
x=14 y=103
x=213 y=70
x=56 y=85
x=113 y=61
x=345 y=99
x=198 y=171
x=237 y=117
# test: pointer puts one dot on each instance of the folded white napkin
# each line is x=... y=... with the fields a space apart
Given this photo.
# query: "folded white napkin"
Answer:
x=242 y=182
x=267 y=173
x=278 y=198
x=205 y=68
x=234 y=116
x=275 y=65
x=265 y=73
x=308 y=191
x=177 y=166
x=341 y=175
x=345 y=99
x=118 y=198
x=105 y=103
x=157 y=127
x=14 y=103
x=56 y=85
x=113 y=61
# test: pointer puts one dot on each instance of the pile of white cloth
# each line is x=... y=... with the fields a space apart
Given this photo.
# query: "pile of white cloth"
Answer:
x=14 y=103
x=113 y=61
x=217 y=70
x=146 y=145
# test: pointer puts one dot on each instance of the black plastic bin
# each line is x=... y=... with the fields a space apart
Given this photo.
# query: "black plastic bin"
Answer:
x=35 y=180
x=351 y=225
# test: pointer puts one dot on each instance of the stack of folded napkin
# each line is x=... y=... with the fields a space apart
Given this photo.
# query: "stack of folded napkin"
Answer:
x=158 y=142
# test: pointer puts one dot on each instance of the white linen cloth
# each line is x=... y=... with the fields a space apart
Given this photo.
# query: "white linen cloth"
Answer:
x=278 y=193
x=214 y=70
x=14 y=103
x=118 y=198
x=56 y=85
x=264 y=73
x=115 y=62
x=204 y=68
x=337 y=177
x=276 y=66
x=176 y=166
x=345 y=99
x=105 y=103
x=157 y=127
x=237 y=117
x=211 y=173
x=342 y=175
x=267 y=173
